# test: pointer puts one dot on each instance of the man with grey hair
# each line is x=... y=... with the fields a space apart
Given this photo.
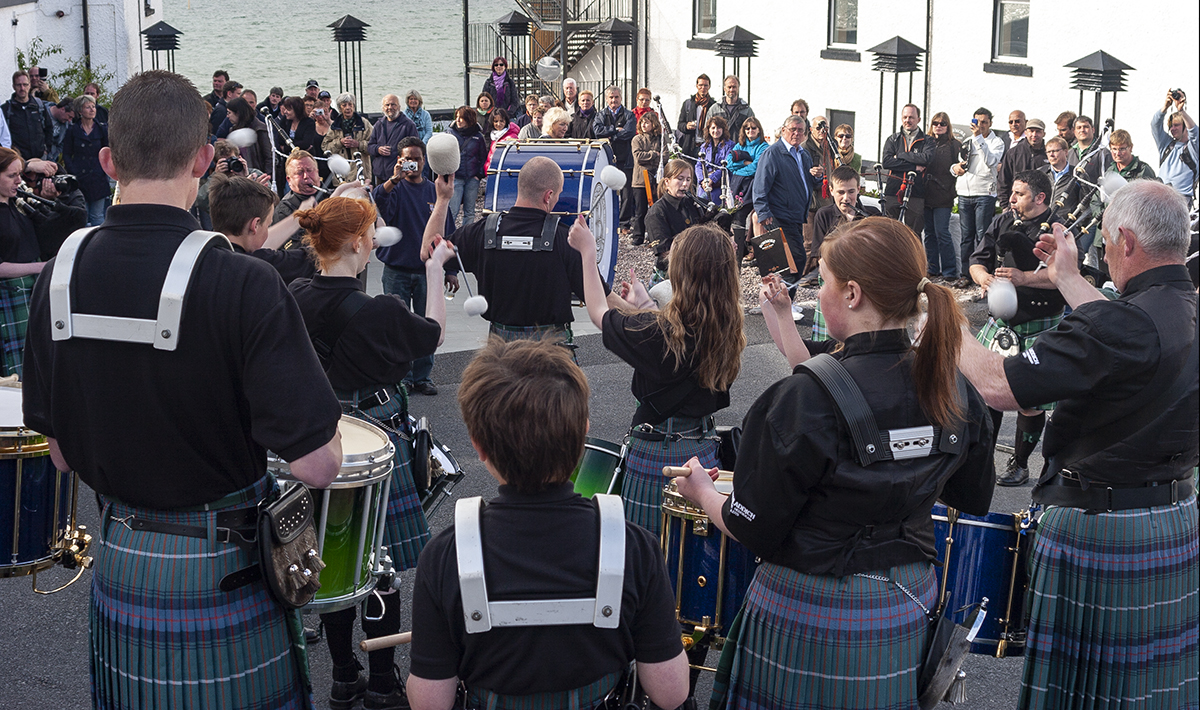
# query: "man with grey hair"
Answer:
x=386 y=136
x=784 y=185
x=1115 y=563
x=570 y=96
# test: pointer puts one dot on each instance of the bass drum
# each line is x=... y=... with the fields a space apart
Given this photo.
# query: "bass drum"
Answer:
x=583 y=193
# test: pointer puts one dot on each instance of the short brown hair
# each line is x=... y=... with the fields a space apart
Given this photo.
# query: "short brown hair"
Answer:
x=1060 y=142
x=1121 y=137
x=234 y=201
x=156 y=125
x=525 y=404
x=296 y=156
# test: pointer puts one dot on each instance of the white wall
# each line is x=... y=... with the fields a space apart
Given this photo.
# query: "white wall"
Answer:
x=789 y=64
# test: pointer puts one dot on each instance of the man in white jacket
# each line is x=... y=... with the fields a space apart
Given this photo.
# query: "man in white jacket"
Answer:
x=976 y=186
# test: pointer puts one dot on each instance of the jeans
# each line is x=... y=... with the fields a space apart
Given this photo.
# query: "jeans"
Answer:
x=96 y=211
x=466 y=191
x=975 y=214
x=413 y=290
x=939 y=246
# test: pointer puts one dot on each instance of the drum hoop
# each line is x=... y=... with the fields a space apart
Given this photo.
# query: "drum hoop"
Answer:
x=596 y=447
x=977 y=523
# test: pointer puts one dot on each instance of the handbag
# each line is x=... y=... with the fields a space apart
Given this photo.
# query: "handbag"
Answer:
x=287 y=547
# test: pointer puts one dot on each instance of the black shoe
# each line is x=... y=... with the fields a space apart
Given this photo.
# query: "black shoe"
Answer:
x=963 y=282
x=638 y=239
x=1013 y=475
x=425 y=388
x=343 y=695
x=397 y=699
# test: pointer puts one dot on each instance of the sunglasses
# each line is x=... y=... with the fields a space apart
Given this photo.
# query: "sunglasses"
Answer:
x=940 y=123
x=498 y=65
x=844 y=136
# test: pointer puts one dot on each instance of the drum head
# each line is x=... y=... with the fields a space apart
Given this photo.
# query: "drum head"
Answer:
x=11 y=417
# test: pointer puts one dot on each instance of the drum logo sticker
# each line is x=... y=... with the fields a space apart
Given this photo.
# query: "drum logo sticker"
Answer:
x=740 y=510
x=767 y=244
x=1031 y=357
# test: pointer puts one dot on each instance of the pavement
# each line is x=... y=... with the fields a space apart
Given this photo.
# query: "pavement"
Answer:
x=44 y=639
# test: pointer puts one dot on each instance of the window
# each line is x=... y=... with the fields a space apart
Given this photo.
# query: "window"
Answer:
x=843 y=22
x=704 y=17
x=837 y=117
x=1011 y=35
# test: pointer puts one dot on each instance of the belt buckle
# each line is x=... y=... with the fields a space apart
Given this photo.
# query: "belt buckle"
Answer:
x=1108 y=490
x=1069 y=475
x=1174 y=491
x=383 y=397
x=124 y=521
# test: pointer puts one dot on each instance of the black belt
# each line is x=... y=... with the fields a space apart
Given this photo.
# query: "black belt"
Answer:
x=1096 y=498
x=381 y=397
x=238 y=527
x=673 y=429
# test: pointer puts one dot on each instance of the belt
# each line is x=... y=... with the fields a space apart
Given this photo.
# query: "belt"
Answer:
x=381 y=397
x=238 y=527
x=674 y=429
x=1066 y=492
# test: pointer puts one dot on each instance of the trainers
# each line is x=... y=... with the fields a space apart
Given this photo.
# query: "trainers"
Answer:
x=397 y=699
x=797 y=312
x=1013 y=475
x=425 y=388
x=343 y=695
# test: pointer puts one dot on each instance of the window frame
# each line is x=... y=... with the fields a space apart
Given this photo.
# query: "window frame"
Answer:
x=997 y=27
x=697 y=17
x=831 y=27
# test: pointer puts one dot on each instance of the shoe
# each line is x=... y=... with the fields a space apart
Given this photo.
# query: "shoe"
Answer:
x=425 y=388
x=1013 y=475
x=638 y=240
x=397 y=699
x=797 y=312
x=963 y=283
x=343 y=695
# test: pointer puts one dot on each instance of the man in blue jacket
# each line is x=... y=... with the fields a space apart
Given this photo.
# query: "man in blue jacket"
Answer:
x=784 y=185
x=1179 y=150
x=618 y=125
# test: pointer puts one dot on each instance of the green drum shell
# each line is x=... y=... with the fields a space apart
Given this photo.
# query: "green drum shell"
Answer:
x=599 y=469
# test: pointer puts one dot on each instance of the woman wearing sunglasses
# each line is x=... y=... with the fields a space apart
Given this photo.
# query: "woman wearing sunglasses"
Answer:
x=502 y=87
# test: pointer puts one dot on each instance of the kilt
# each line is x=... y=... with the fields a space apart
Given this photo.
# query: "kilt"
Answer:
x=405 y=529
x=164 y=635
x=14 y=320
x=1027 y=331
x=1114 y=610
x=819 y=331
x=585 y=698
x=642 y=486
x=803 y=642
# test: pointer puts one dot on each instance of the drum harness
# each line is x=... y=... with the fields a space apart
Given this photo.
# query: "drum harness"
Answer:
x=280 y=526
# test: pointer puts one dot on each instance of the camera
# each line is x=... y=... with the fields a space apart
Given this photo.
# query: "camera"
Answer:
x=409 y=166
x=318 y=112
x=235 y=164
x=65 y=183
x=1176 y=94
x=42 y=72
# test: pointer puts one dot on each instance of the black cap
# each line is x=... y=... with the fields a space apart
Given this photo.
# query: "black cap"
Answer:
x=311 y=82
x=322 y=94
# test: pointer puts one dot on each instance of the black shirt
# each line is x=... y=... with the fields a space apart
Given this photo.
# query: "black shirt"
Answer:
x=638 y=340
x=18 y=240
x=667 y=218
x=291 y=264
x=523 y=288
x=289 y=204
x=1010 y=242
x=540 y=546
x=1096 y=365
x=380 y=341
x=166 y=429
x=801 y=500
x=829 y=218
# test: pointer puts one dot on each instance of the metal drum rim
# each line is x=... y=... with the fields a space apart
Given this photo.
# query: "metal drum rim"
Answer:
x=353 y=478
x=24 y=569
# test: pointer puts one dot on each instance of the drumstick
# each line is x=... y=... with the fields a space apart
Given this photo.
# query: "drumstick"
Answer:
x=684 y=471
x=385 y=641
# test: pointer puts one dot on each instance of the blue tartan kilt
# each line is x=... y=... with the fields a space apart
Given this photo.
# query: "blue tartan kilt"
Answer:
x=164 y=635
x=1114 y=610
x=642 y=487
x=808 y=642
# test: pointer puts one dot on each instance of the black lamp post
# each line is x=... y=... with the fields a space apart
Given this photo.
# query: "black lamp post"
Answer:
x=898 y=56
x=161 y=37
x=737 y=43
x=349 y=32
x=614 y=33
x=1099 y=72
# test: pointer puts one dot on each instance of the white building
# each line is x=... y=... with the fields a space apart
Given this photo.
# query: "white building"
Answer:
x=108 y=30
x=1000 y=54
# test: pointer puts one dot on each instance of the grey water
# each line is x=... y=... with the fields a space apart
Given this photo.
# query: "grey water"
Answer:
x=266 y=43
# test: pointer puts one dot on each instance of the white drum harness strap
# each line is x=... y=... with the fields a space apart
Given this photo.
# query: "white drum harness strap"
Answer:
x=543 y=242
x=480 y=615
x=163 y=332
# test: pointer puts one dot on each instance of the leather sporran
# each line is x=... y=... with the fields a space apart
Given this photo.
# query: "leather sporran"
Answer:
x=287 y=546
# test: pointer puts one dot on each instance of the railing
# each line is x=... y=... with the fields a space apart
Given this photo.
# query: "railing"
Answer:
x=549 y=12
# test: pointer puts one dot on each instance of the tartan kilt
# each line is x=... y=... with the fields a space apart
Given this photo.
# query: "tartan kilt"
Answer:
x=819 y=330
x=1028 y=332
x=583 y=698
x=405 y=529
x=642 y=486
x=804 y=642
x=14 y=321
x=164 y=635
x=1114 y=610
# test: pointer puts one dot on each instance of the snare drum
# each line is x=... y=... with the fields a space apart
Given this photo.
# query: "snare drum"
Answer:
x=37 y=501
x=710 y=572
x=600 y=470
x=435 y=471
x=349 y=515
x=583 y=193
x=989 y=557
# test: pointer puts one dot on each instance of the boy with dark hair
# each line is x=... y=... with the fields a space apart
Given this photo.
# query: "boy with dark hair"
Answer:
x=241 y=209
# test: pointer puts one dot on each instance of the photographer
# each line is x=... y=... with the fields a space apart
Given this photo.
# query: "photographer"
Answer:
x=56 y=206
x=1179 y=150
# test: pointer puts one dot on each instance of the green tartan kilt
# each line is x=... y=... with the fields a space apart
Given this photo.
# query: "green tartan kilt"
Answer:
x=14 y=321
x=1027 y=331
x=819 y=331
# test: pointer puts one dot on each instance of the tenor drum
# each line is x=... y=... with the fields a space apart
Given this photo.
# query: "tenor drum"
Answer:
x=600 y=470
x=988 y=557
x=583 y=193
x=709 y=571
x=349 y=515
x=37 y=501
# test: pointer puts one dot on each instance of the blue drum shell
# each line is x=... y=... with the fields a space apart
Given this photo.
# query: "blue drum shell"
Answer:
x=692 y=557
x=41 y=523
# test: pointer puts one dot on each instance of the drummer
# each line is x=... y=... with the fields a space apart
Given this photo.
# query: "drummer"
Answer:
x=528 y=288
x=814 y=631
x=367 y=346
x=174 y=442
x=684 y=359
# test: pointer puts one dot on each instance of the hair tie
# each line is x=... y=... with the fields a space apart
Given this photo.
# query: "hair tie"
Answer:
x=922 y=284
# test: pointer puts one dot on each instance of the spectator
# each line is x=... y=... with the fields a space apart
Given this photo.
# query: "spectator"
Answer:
x=693 y=116
x=273 y=104
x=20 y=264
x=939 y=200
x=570 y=96
x=81 y=155
x=642 y=103
x=526 y=115
x=713 y=152
x=907 y=151
x=63 y=115
x=502 y=129
x=800 y=108
x=732 y=107
x=784 y=185
x=217 y=96
x=556 y=123
x=743 y=163
x=1029 y=154
x=1124 y=162
x=54 y=223
x=843 y=137
x=230 y=91
x=42 y=90
x=1178 y=151
x=533 y=129
x=302 y=180
x=976 y=188
x=581 y=123
x=616 y=123
x=258 y=154
x=1016 y=129
x=501 y=87
x=93 y=90
x=647 y=160
x=1085 y=133
x=349 y=132
x=819 y=149
x=5 y=136
x=29 y=121
x=386 y=136
x=1058 y=169
x=250 y=98
x=472 y=165
x=1065 y=123
x=298 y=128
x=484 y=105
x=311 y=89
